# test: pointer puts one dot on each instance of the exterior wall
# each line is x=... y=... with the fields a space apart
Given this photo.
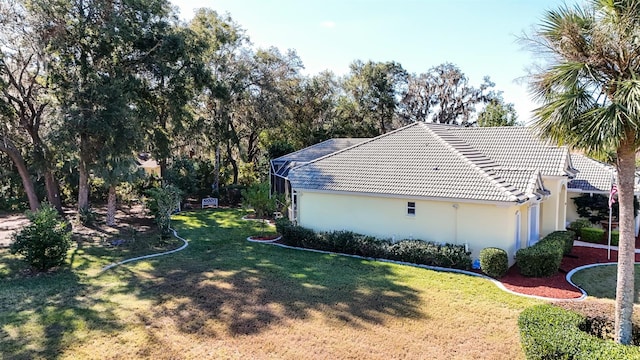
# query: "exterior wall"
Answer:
x=478 y=225
x=524 y=226
x=152 y=170
x=552 y=210
x=572 y=212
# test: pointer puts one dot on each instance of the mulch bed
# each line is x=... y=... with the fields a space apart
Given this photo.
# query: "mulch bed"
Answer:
x=557 y=286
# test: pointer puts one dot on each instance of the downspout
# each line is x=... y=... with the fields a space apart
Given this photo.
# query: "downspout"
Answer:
x=455 y=225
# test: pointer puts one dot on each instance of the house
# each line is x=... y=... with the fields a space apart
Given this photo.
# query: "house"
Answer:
x=594 y=178
x=149 y=165
x=279 y=168
x=477 y=187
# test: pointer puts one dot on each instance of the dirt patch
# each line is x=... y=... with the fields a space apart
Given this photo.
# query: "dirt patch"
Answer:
x=129 y=222
x=9 y=224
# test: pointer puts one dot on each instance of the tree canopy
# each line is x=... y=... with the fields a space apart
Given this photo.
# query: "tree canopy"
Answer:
x=87 y=85
x=590 y=96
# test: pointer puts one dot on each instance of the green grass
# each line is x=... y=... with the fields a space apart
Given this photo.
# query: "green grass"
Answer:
x=600 y=281
x=224 y=297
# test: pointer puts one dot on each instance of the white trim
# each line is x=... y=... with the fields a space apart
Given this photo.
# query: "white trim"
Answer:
x=533 y=232
x=409 y=197
x=604 y=192
x=518 y=234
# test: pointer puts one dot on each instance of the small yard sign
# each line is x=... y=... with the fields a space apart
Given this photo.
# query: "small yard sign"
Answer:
x=209 y=202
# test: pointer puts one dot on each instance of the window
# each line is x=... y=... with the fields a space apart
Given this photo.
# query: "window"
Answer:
x=411 y=208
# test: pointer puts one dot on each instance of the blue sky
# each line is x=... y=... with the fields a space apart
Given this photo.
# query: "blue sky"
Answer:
x=479 y=36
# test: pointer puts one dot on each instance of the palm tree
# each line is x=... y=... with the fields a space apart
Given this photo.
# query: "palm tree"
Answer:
x=590 y=95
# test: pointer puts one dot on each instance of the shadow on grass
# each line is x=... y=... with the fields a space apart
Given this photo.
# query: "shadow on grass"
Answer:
x=39 y=315
x=224 y=283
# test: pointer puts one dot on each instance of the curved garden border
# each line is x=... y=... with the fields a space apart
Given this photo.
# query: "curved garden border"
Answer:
x=264 y=241
x=175 y=233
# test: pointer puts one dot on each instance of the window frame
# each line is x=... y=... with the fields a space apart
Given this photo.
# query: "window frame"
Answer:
x=411 y=208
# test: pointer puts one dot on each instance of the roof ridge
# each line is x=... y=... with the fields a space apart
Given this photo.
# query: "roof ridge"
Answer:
x=479 y=161
x=354 y=146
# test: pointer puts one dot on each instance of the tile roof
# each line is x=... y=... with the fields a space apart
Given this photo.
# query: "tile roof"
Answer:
x=285 y=163
x=516 y=146
x=594 y=176
x=419 y=160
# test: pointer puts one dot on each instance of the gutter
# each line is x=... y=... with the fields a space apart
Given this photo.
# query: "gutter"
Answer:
x=411 y=197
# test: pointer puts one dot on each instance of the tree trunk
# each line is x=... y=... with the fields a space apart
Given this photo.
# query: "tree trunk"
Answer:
x=626 y=251
x=7 y=147
x=83 y=185
x=53 y=192
x=111 y=206
x=234 y=164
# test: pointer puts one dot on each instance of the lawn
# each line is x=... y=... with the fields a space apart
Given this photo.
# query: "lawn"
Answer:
x=600 y=281
x=226 y=298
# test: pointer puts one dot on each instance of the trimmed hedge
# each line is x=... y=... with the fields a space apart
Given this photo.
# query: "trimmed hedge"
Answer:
x=564 y=237
x=579 y=225
x=615 y=237
x=294 y=235
x=549 y=332
x=346 y=242
x=494 y=262
x=430 y=253
x=592 y=235
x=541 y=260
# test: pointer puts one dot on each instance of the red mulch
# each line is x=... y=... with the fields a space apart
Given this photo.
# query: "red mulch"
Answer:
x=557 y=286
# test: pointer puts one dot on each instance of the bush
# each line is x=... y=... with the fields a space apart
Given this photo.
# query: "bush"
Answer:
x=615 y=237
x=599 y=319
x=257 y=196
x=294 y=235
x=346 y=242
x=86 y=216
x=541 y=260
x=231 y=195
x=429 y=253
x=164 y=201
x=549 y=332
x=45 y=242
x=494 y=262
x=579 y=225
x=565 y=238
x=592 y=235
x=371 y=247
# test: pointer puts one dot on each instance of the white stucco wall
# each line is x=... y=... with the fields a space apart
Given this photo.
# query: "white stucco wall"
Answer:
x=552 y=210
x=478 y=225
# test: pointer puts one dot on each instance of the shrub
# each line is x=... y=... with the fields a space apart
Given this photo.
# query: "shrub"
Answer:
x=164 y=201
x=615 y=237
x=565 y=238
x=494 y=262
x=371 y=247
x=294 y=235
x=579 y=225
x=257 y=196
x=599 y=319
x=231 y=195
x=86 y=216
x=592 y=235
x=45 y=242
x=540 y=260
x=429 y=253
x=549 y=332
x=347 y=242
